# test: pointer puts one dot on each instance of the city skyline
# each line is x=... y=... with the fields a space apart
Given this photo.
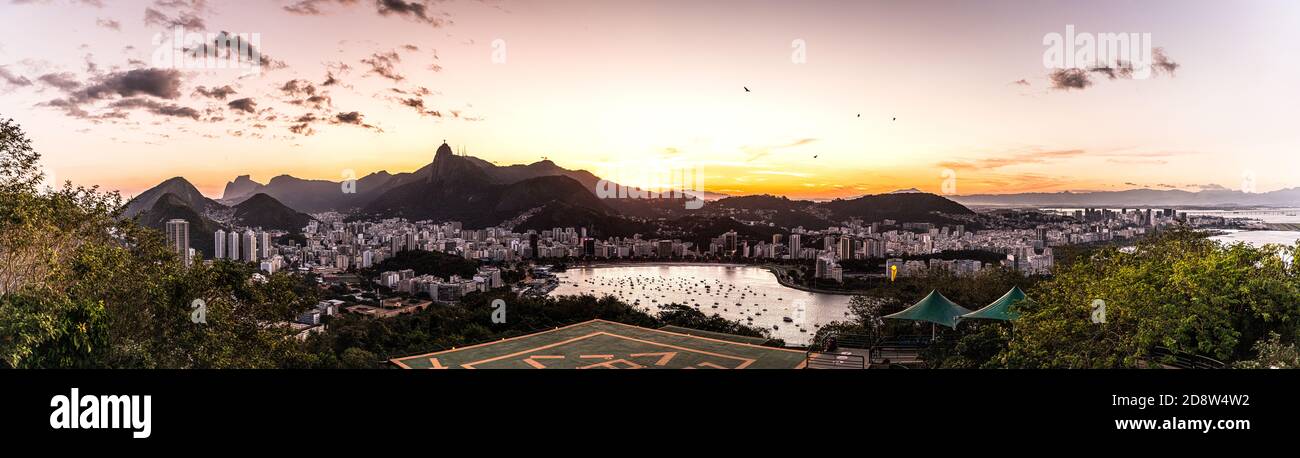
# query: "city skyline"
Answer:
x=890 y=96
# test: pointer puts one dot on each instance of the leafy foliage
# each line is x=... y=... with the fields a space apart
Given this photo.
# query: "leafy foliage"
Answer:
x=82 y=287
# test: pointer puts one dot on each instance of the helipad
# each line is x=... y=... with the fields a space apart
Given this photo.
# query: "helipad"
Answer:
x=600 y=344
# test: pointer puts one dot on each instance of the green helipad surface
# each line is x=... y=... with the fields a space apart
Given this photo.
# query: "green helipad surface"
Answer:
x=600 y=344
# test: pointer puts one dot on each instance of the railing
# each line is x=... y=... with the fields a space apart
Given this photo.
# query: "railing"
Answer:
x=1181 y=360
x=818 y=360
x=894 y=353
x=845 y=341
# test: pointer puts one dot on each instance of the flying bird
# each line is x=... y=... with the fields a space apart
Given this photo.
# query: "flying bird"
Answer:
x=746 y=88
x=895 y=119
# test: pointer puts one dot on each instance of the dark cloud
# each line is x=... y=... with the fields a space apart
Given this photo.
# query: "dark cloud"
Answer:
x=1161 y=62
x=382 y=64
x=1069 y=78
x=153 y=17
x=216 y=92
x=155 y=107
x=226 y=45
x=109 y=24
x=410 y=47
x=297 y=87
x=414 y=10
x=64 y=81
x=353 y=118
x=1074 y=78
x=172 y=13
x=133 y=88
x=1021 y=82
x=245 y=104
x=303 y=129
x=312 y=7
x=13 y=79
x=161 y=83
x=319 y=101
x=418 y=104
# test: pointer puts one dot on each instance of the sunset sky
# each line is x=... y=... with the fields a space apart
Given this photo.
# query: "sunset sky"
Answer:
x=590 y=83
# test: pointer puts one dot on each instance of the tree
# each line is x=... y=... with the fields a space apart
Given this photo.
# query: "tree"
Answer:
x=1177 y=290
x=356 y=358
x=82 y=287
x=1272 y=354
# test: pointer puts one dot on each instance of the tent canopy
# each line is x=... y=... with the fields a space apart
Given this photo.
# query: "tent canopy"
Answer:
x=934 y=308
x=1001 y=308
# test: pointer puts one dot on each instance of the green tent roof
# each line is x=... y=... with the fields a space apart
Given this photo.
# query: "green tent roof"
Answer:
x=1001 y=308
x=934 y=308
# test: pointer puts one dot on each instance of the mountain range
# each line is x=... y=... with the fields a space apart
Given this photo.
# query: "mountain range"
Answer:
x=177 y=198
x=536 y=196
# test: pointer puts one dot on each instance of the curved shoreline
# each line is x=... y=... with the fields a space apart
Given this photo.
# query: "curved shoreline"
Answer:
x=768 y=267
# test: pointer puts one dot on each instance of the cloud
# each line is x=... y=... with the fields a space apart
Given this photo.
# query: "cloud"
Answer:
x=382 y=64
x=1069 y=78
x=187 y=13
x=156 y=107
x=756 y=152
x=353 y=118
x=216 y=92
x=303 y=129
x=109 y=24
x=415 y=10
x=782 y=173
x=297 y=87
x=1021 y=82
x=245 y=104
x=132 y=87
x=161 y=83
x=1137 y=161
x=13 y=79
x=153 y=17
x=1161 y=62
x=64 y=81
x=418 y=105
x=312 y=7
x=1026 y=157
x=1075 y=78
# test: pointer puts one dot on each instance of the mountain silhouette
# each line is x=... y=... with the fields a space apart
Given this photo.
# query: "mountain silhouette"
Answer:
x=264 y=211
x=457 y=188
x=176 y=186
x=169 y=206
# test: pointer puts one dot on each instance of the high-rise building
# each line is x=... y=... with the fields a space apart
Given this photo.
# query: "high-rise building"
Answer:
x=846 y=248
x=264 y=244
x=178 y=238
x=232 y=245
x=796 y=243
x=250 y=246
x=219 y=244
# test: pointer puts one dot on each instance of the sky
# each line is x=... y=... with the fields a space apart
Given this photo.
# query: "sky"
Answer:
x=844 y=97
